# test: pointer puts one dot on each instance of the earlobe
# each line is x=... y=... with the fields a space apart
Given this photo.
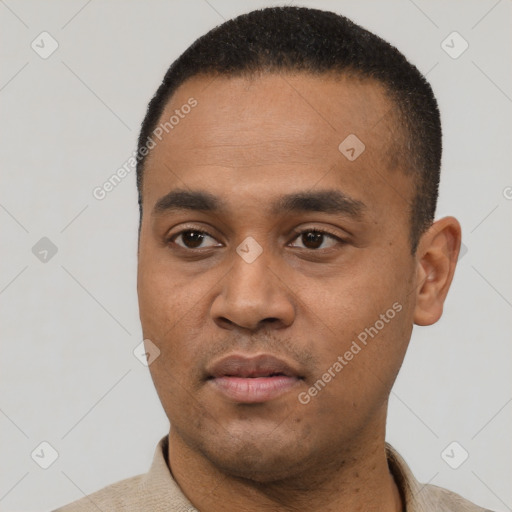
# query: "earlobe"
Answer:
x=437 y=255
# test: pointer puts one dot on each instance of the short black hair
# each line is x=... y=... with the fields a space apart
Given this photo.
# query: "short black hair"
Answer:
x=299 y=39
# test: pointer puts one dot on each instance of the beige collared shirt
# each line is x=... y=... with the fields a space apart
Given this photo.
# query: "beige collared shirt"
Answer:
x=157 y=491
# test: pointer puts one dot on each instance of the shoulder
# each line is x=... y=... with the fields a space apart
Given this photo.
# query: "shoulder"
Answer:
x=438 y=498
x=122 y=495
x=420 y=497
x=154 y=491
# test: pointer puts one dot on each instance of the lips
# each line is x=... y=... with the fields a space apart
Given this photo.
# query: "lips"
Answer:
x=254 y=379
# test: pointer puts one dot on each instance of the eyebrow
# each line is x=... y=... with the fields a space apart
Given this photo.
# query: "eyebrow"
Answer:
x=188 y=200
x=322 y=201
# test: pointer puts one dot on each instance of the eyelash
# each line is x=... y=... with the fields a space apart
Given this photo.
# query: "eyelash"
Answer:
x=296 y=234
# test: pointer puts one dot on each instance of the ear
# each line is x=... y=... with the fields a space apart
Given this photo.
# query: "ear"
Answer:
x=436 y=256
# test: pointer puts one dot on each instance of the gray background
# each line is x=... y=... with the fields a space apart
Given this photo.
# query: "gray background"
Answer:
x=70 y=324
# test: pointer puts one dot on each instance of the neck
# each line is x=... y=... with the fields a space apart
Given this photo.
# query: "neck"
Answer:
x=358 y=479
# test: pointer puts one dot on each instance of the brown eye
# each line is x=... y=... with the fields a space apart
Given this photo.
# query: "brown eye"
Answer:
x=313 y=239
x=192 y=239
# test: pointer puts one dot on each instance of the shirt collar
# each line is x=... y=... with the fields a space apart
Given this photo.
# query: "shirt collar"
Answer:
x=159 y=484
x=410 y=489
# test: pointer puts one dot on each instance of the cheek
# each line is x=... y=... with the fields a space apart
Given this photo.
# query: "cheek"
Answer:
x=157 y=311
x=172 y=311
x=349 y=298
x=165 y=297
x=364 y=317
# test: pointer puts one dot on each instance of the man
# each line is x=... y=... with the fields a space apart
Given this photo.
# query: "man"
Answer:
x=288 y=173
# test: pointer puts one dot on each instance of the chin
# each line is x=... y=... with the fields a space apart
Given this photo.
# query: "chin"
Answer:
x=260 y=459
x=257 y=468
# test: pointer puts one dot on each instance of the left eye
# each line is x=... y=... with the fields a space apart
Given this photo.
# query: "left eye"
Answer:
x=314 y=239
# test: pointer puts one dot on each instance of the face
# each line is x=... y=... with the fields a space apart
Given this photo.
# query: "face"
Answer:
x=275 y=270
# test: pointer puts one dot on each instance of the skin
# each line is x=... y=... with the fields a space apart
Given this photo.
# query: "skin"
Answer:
x=249 y=141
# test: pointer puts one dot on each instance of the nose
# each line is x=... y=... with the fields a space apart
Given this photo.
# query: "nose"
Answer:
x=253 y=296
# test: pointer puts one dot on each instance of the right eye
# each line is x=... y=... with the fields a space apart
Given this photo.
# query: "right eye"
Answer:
x=192 y=239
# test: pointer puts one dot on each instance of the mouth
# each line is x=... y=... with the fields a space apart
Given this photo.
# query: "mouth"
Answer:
x=252 y=379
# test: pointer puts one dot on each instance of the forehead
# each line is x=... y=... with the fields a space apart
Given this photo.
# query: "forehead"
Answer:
x=251 y=133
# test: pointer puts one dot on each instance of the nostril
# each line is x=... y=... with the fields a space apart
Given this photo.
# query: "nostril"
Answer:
x=225 y=320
